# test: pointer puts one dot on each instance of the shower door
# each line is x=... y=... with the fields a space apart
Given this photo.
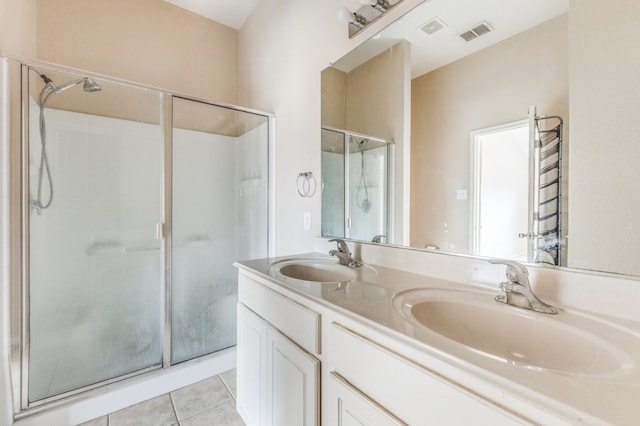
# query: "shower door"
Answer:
x=333 y=172
x=367 y=187
x=355 y=185
x=134 y=205
x=92 y=207
x=219 y=215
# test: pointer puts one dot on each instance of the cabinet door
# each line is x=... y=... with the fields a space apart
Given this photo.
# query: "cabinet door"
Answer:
x=293 y=378
x=350 y=407
x=251 y=398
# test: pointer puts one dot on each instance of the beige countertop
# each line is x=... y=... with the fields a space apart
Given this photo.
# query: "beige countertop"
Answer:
x=609 y=395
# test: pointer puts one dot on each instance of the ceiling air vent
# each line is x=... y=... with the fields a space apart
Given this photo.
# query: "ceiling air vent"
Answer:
x=479 y=30
x=434 y=25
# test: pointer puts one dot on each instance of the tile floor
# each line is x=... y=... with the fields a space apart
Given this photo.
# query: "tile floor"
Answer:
x=209 y=402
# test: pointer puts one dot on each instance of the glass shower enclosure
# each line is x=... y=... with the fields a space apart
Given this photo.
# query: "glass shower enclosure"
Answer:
x=355 y=185
x=134 y=205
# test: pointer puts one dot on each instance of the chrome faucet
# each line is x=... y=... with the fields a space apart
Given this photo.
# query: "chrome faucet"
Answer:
x=378 y=238
x=343 y=254
x=518 y=290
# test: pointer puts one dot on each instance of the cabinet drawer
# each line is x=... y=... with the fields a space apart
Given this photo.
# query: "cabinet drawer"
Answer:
x=404 y=388
x=297 y=322
x=349 y=406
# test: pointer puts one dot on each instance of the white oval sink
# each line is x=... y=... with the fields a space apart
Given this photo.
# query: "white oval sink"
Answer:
x=567 y=343
x=316 y=270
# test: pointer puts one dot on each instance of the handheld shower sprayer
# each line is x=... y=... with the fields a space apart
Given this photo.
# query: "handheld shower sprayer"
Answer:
x=44 y=171
x=362 y=193
x=88 y=85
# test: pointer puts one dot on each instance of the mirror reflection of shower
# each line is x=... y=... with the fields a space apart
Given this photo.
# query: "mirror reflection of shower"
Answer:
x=356 y=180
x=44 y=171
x=362 y=192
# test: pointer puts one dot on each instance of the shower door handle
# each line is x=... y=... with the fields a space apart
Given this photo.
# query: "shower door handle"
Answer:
x=159 y=231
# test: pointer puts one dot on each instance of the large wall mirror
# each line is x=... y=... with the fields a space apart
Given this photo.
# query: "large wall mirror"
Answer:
x=515 y=129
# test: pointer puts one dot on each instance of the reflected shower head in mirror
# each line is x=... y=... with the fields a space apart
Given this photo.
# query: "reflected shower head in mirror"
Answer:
x=44 y=172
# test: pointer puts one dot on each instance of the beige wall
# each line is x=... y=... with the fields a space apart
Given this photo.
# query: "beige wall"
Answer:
x=375 y=95
x=604 y=67
x=17 y=28
x=146 y=41
x=370 y=99
x=281 y=52
x=283 y=48
x=488 y=88
x=378 y=104
x=334 y=98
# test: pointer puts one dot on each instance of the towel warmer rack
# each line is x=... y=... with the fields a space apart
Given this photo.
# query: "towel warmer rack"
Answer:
x=546 y=222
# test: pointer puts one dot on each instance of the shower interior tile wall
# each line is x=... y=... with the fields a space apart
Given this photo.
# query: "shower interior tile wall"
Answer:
x=92 y=161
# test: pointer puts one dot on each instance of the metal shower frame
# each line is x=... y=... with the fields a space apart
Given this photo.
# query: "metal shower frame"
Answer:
x=19 y=237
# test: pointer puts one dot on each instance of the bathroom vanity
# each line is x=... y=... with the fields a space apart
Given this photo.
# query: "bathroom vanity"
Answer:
x=322 y=343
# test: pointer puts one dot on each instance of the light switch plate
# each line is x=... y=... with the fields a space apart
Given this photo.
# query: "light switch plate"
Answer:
x=307 y=221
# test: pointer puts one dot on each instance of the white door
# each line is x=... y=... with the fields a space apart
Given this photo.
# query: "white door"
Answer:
x=293 y=379
x=278 y=382
x=500 y=191
x=252 y=367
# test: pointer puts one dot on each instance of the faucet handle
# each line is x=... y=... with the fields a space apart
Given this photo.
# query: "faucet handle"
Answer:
x=342 y=246
x=515 y=271
x=518 y=277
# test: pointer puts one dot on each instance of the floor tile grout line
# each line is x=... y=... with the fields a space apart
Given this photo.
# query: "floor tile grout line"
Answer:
x=210 y=407
x=173 y=406
x=230 y=397
x=224 y=382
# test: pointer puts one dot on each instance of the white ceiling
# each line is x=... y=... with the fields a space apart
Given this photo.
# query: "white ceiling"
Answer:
x=232 y=13
x=428 y=52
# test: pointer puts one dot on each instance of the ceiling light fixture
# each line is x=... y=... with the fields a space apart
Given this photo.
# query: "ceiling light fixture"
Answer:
x=379 y=5
x=346 y=16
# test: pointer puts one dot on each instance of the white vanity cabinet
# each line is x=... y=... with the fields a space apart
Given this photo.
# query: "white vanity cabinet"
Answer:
x=395 y=390
x=364 y=381
x=278 y=378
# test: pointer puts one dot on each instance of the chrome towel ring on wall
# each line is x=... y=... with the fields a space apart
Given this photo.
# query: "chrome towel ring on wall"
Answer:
x=306 y=184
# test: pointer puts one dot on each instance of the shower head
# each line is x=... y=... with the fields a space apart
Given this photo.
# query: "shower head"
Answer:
x=50 y=88
x=90 y=85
